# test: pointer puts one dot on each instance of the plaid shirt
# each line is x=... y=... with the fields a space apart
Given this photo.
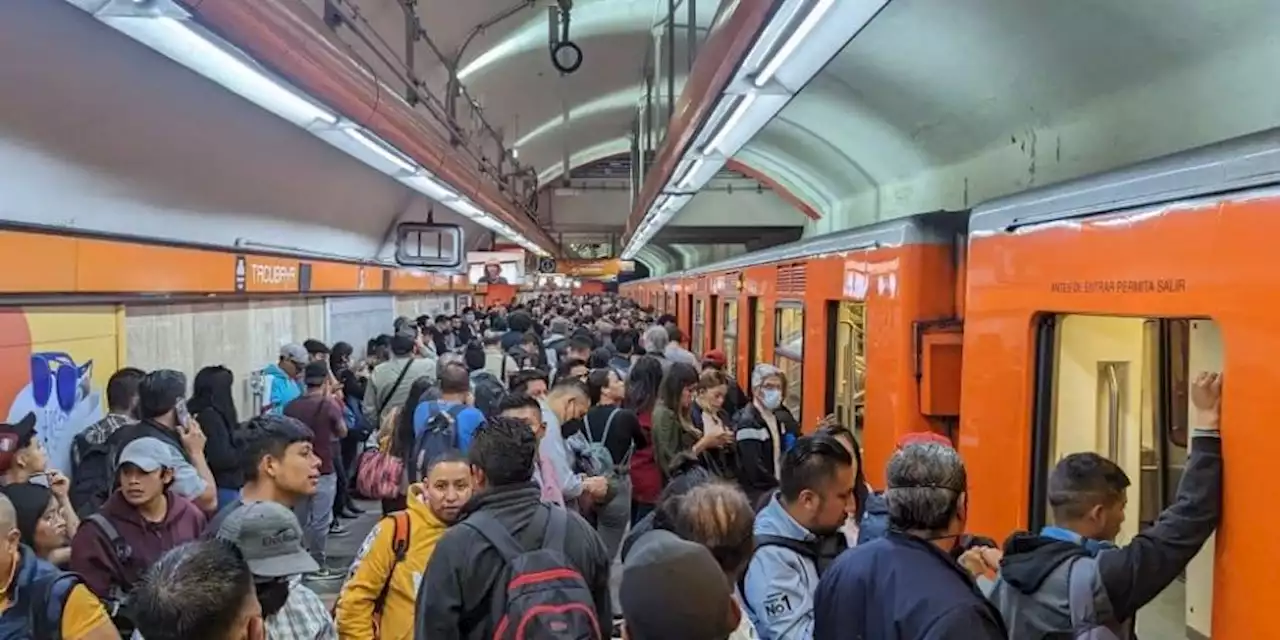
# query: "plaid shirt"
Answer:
x=303 y=617
x=98 y=432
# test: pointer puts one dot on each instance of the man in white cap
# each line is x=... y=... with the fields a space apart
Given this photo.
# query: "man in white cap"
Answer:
x=269 y=536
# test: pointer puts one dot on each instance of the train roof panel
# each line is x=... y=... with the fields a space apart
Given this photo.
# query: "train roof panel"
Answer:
x=1240 y=163
x=939 y=227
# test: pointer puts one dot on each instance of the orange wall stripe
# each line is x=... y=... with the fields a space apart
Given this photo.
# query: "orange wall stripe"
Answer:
x=47 y=263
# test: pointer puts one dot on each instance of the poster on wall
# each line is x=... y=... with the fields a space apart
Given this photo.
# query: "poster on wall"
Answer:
x=55 y=366
x=496 y=267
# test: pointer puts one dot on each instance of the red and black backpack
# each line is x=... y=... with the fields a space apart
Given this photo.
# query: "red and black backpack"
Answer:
x=541 y=596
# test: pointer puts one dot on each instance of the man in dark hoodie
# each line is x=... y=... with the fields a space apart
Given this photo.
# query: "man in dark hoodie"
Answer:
x=1071 y=578
x=467 y=571
x=141 y=520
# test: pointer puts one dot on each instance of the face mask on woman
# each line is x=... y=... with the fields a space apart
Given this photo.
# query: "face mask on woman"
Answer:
x=772 y=398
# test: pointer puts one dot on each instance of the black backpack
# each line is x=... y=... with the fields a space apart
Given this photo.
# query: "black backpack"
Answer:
x=488 y=391
x=91 y=476
x=541 y=596
x=117 y=598
x=821 y=552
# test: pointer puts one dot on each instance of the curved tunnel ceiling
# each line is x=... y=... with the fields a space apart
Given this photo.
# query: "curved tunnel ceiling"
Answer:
x=901 y=119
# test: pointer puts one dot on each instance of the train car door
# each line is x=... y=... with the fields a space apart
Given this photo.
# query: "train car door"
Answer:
x=713 y=327
x=788 y=352
x=755 y=335
x=1119 y=386
x=697 y=339
x=687 y=319
x=729 y=337
x=846 y=372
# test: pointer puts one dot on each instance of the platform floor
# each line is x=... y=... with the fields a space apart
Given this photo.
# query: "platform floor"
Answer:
x=342 y=549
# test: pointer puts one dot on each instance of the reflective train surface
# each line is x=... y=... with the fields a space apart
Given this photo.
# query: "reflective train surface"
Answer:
x=1063 y=319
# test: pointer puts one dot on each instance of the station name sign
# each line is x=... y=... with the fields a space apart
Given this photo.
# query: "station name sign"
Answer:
x=260 y=274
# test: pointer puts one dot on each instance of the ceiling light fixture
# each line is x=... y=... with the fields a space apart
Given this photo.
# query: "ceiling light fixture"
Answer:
x=169 y=30
x=770 y=75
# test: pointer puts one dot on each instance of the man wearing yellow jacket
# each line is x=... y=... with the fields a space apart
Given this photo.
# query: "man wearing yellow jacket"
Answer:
x=377 y=601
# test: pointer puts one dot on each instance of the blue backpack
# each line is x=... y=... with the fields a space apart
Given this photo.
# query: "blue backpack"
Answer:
x=42 y=594
x=357 y=423
x=439 y=436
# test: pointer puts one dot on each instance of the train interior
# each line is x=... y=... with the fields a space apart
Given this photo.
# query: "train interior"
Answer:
x=1119 y=388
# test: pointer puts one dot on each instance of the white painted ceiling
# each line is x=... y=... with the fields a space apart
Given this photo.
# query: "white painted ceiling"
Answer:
x=936 y=104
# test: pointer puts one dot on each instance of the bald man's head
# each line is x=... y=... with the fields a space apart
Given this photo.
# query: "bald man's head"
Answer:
x=10 y=537
x=8 y=517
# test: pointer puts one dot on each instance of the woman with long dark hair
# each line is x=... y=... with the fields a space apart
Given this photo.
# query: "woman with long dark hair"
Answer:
x=396 y=438
x=673 y=429
x=640 y=398
x=861 y=490
x=618 y=429
x=214 y=408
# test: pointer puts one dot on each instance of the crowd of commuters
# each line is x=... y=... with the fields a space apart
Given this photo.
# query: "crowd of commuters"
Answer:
x=561 y=468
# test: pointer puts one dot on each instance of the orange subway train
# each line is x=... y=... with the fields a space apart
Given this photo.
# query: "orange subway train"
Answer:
x=1062 y=319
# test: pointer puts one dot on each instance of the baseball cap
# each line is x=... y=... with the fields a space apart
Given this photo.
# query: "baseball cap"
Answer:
x=148 y=454
x=15 y=436
x=673 y=589
x=315 y=373
x=714 y=356
x=923 y=437
x=269 y=536
x=296 y=353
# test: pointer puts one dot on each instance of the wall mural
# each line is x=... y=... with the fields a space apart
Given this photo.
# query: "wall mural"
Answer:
x=55 y=364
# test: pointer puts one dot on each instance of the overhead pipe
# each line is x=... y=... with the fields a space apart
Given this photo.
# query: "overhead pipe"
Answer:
x=717 y=63
x=671 y=60
x=295 y=43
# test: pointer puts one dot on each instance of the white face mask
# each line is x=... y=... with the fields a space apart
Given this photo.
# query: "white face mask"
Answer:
x=850 y=530
x=772 y=398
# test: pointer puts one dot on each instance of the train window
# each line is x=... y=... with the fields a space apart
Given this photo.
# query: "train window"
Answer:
x=699 y=325
x=1118 y=386
x=731 y=336
x=788 y=351
x=757 y=333
x=849 y=374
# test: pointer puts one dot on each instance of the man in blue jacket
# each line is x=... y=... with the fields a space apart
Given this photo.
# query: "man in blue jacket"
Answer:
x=284 y=379
x=906 y=585
x=798 y=533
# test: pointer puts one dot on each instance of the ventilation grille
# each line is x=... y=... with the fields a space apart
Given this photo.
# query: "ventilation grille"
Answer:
x=792 y=278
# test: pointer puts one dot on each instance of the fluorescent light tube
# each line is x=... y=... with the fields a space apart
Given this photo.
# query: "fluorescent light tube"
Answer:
x=732 y=121
x=381 y=149
x=428 y=186
x=789 y=47
x=692 y=173
x=186 y=44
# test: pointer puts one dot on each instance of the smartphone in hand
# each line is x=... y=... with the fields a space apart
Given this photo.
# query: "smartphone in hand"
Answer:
x=184 y=415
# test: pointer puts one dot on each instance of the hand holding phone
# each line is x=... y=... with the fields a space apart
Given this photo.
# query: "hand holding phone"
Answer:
x=184 y=415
